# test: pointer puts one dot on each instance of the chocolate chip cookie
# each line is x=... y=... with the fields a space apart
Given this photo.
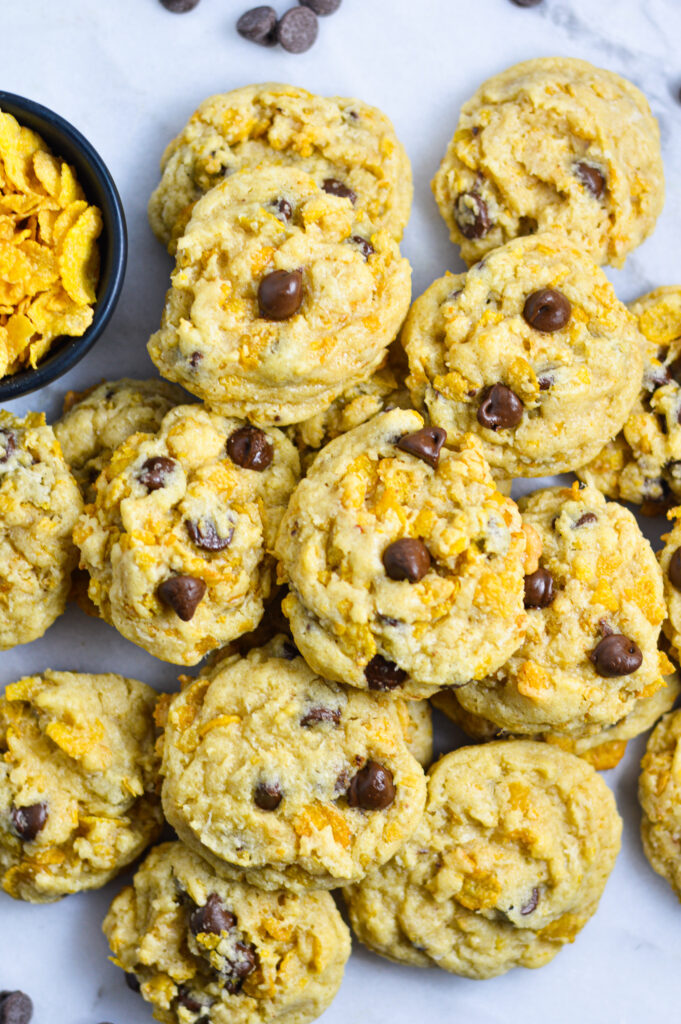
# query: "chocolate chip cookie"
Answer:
x=659 y=793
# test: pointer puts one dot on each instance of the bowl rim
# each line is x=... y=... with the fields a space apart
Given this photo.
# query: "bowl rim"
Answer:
x=27 y=380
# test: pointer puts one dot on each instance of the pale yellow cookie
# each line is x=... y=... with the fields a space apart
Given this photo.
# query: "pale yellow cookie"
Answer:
x=659 y=793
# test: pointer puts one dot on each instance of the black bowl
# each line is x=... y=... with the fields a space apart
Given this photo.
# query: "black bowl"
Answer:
x=67 y=142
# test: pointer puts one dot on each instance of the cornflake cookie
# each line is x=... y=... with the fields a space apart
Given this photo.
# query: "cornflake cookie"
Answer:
x=553 y=143
x=282 y=298
x=643 y=463
x=659 y=793
x=96 y=421
x=404 y=562
x=223 y=952
x=39 y=505
x=78 y=782
x=499 y=874
x=670 y=562
x=594 y=611
x=176 y=542
x=532 y=351
x=276 y=776
x=348 y=147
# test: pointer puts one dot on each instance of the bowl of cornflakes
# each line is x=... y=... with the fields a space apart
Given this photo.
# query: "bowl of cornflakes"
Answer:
x=63 y=245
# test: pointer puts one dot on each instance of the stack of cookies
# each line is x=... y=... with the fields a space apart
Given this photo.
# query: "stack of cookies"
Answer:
x=330 y=523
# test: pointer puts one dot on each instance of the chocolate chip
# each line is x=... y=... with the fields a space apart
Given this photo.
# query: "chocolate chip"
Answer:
x=364 y=246
x=289 y=651
x=321 y=714
x=616 y=655
x=155 y=472
x=250 y=448
x=259 y=26
x=297 y=29
x=544 y=383
x=186 y=999
x=132 y=981
x=674 y=570
x=591 y=178
x=15 y=1008
x=425 y=444
x=204 y=534
x=532 y=903
x=406 y=559
x=336 y=188
x=8 y=442
x=194 y=359
x=212 y=917
x=321 y=7
x=372 y=788
x=238 y=967
x=268 y=796
x=280 y=294
x=28 y=821
x=382 y=674
x=284 y=210
x=179 y=6
x=183 y=594
x=500 y=408
x=586 y=519
x=539 y=590
x=547 y=310
x=471 y=215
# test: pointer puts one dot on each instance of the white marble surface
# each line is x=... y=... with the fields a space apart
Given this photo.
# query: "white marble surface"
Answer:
x=128 y=74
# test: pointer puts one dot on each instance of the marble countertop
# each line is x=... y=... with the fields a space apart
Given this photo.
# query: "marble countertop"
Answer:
x=128 y=74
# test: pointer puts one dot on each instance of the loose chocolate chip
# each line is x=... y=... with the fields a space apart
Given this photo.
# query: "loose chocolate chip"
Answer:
x=591 y=178
x=250 y=448
x=586 y=519
x=8 y=444
x=322 y=7
x=532 y=903
x=382 y=674
x=297 y=29
x=285 y=210
x=212 y=917
x=155 y=472
x=616 y=655
x=179 y=6
x=364 y=246
x=674 y=570
x=500 y=408
x=268 y=796
x=15 y=1008
x=194 y=359
x=321 y=714
x=372 y=788
x=539 y=590
x=183 y=594
x=425 y=444
x=544 y=383
x=471 y=215
x=132 y=981
x=186 y=999
x=547 y=310
x=28 y=821
x=336 y=188
x=259 y=25
x=238 y=967
x=406 y=559
x=280 y=294
x=205 y=535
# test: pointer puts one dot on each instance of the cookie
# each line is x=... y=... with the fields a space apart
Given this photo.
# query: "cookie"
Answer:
x=643 y=463
x=670 y=563
x=659 y=793
x=416 y=720
x=553 y=143
x=205 y=949
x=532 y=351
x=499 y=874
x=344 y=144
x=276 y=776
x=594 y=612
x=39 y=505
x=404 y=562
x=96 y=421
x=177 y=540
x=78 y=782
x=282 y=297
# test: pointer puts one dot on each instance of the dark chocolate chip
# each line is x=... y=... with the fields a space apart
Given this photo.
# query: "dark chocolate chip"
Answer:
x=280 y=294
x=183 y=594
x=15 y=1008
x=259 y=25
x=425 y=444
x=471 y=215
x=592 y=179
x=532 y=903
x=297 y=29
x=8 y=444
x=406 y=559
x=539 y=590
x=586 y=519
x=336 y=188
x=268 y=796
x=674 y=570
x=284 y=209
x=544 y=383
x=132 y=981
x=372 y=788
x=250 y=448
x=616 y=655
x=179 y=6
x=194 y=359
x=212 y=917
x=500 y=408
x=322 y=7
x=155 y=472
x=364 y=246
x=239 y=966
x=547 y=310
x=186 y=999
x=204 y=534
x=28 y=821
x=321 y=714
x=656 y=377
x=382 y=674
